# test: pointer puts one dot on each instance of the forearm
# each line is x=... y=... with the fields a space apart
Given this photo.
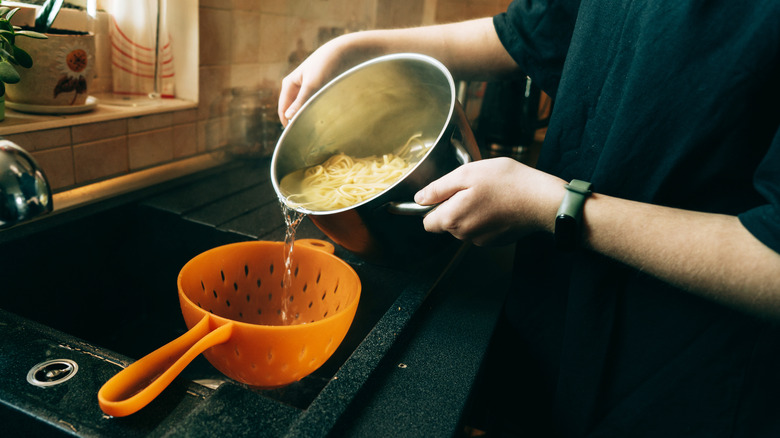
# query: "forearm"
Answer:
x=709 y=254
x=470 y=49
x=489 y=202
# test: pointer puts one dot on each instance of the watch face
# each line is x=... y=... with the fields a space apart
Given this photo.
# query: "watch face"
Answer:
x=565 y=232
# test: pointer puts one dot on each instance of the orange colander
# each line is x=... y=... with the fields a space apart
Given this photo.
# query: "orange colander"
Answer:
x=245 y=323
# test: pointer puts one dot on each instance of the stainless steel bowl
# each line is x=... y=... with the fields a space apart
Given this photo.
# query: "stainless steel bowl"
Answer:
x=372 y=109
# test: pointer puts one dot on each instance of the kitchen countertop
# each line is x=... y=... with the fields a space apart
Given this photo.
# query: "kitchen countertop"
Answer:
x=406 y=368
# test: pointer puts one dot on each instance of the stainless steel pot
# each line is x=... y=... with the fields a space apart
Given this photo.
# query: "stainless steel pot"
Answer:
x=373 y=109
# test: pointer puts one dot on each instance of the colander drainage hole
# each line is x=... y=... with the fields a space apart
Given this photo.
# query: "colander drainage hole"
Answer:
x=203 y=286
x=247 y=298
x=222 y=273
x=305 y=286
x=270 y=297
x=246 y=271
x=259 y=283
x=227 y=302
x=235 y=287
x=271 y=268
x=215 y=293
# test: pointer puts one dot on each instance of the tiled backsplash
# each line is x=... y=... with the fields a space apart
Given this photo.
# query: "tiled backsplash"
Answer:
x=243 y=43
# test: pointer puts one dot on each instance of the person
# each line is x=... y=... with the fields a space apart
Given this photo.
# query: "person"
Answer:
x=663 y=320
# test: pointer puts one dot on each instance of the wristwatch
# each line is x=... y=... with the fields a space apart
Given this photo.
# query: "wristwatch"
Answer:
x=568 y=220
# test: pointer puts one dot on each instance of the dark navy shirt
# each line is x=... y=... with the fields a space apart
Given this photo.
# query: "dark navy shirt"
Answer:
x=674 y=103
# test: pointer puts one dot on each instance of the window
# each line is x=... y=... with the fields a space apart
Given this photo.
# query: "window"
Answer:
x=181 y=68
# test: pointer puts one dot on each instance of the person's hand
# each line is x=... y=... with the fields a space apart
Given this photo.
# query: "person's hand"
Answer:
x=320 y=67
x=492 y=202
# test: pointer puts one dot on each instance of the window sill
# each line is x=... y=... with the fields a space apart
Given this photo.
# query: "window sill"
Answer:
x=17 y=122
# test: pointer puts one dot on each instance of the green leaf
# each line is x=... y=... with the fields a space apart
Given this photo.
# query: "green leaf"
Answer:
x=5 y=54
x=8 y=73
x=2 y=89
x=4 y=10
x=46 y=15
x=22 y=58
x=5 y=25
x=32 y=34
x=11 y=14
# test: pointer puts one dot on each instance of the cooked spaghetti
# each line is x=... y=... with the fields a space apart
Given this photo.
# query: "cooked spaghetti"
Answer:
x=342 y=181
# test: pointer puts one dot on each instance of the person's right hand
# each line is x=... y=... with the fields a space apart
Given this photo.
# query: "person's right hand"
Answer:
x=320 y=67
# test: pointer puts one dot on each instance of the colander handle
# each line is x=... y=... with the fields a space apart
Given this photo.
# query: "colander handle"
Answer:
x=317 y=244
x=137 y=385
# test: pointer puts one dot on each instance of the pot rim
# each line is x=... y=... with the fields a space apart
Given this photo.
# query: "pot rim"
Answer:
x=275 y=180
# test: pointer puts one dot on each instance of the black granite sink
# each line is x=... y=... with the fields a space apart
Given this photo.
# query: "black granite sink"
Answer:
x=99 y=288
x=110 y=280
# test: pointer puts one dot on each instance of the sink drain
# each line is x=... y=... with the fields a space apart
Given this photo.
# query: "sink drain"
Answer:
x=52 y=372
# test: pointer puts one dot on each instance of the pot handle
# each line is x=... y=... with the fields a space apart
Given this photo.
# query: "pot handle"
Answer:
x=318 y=244
x=415 y=209
x=137 y=385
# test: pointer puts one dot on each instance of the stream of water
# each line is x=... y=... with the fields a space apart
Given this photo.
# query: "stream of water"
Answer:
x=292 y=219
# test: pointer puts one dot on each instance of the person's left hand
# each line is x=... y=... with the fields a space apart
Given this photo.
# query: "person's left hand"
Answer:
x=492 y=202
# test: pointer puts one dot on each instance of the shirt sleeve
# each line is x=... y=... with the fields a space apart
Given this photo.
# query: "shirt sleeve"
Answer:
x=764 y=221
x=537 y=35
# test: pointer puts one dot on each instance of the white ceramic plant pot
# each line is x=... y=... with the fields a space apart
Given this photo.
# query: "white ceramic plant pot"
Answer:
x=62 y=70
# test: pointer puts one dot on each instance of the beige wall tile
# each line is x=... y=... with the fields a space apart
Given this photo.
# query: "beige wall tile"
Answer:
x=215 y=36
x=150 y=122
x=185 y=116
x=202 y=135
x=276 y=41
x=245 y=36
x=57 y=164
x=246 y=5
x=459 y=10
x=185 y=140
x=218 y=4
x=399 y=13
x=97 y=131
x=100 y=159
x=279 y=7
x=214 y=83
x=149 y=148
x=40 y=140
x=213 y=134
x=246 y=75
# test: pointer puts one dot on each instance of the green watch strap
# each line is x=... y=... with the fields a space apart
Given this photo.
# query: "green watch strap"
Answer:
x=568 y=220
x=574 y=199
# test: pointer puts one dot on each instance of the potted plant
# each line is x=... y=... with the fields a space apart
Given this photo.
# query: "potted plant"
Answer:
x=11 y=56
x=58 y=83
